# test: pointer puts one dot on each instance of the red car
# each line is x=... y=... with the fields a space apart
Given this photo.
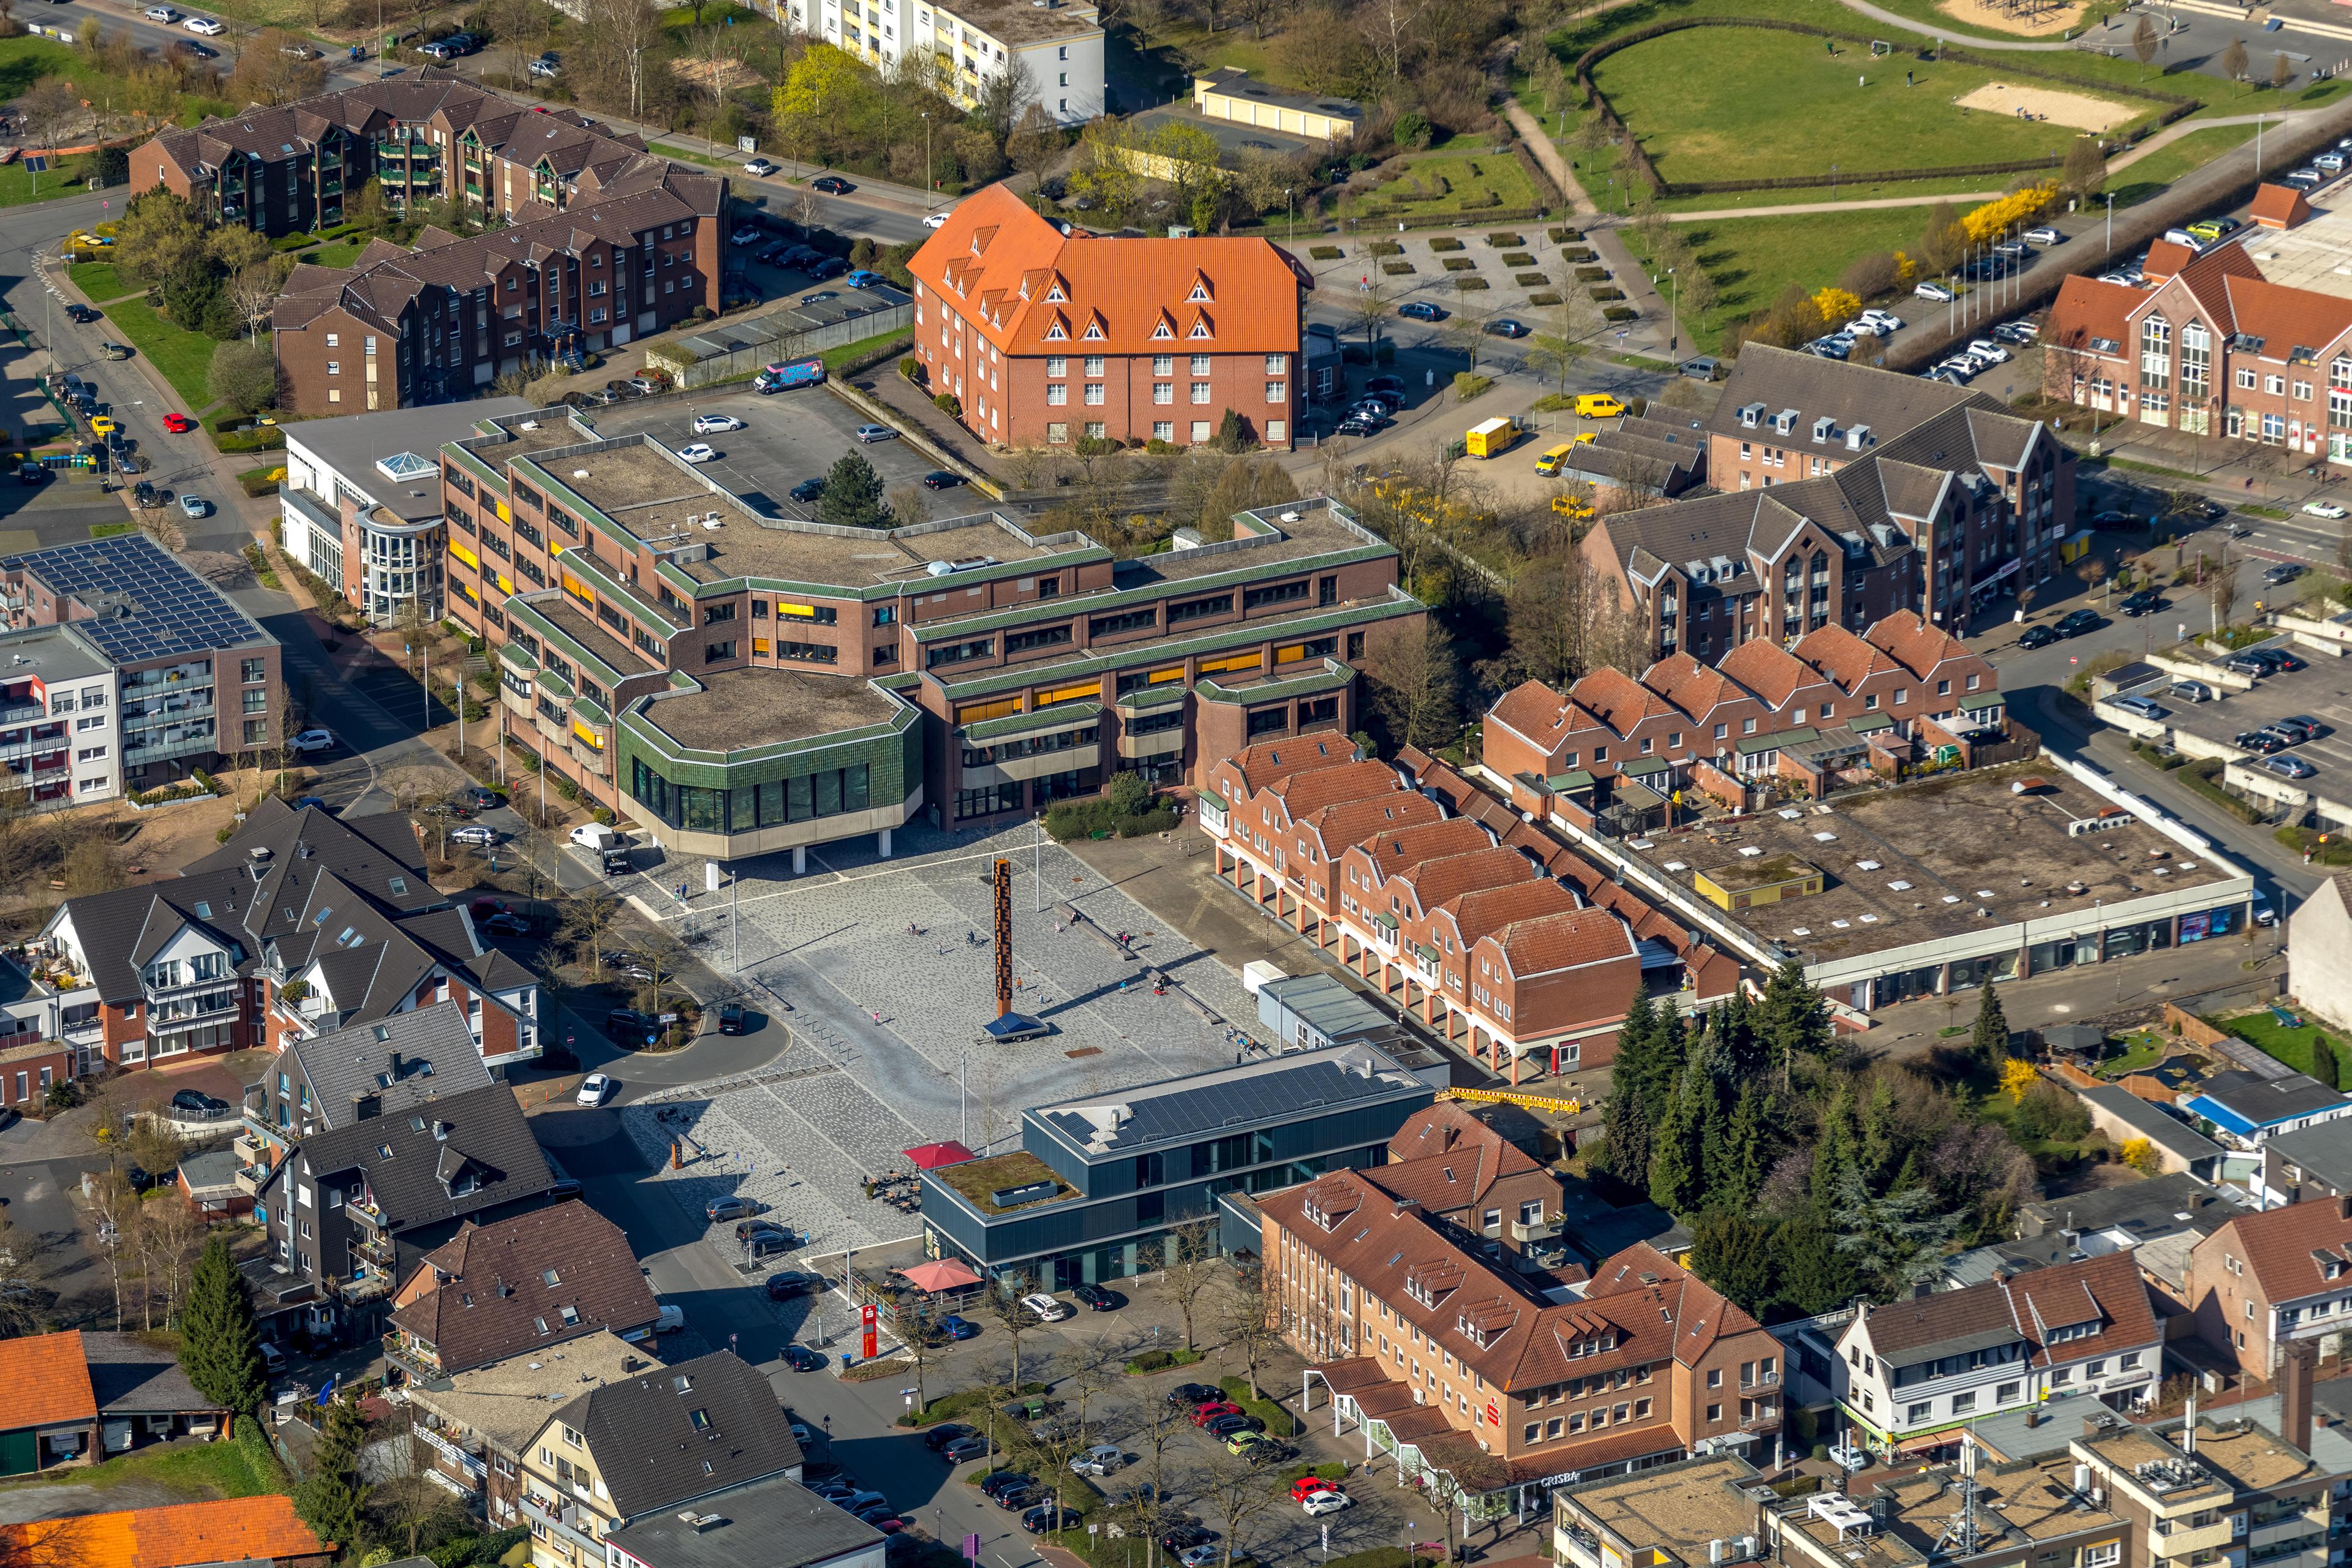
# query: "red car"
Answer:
x=178 y=424
x=1210 y=1412
x=1305 y=1487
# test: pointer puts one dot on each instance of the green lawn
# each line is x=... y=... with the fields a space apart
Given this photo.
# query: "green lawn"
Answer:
x=2273 y=1038
x=834 y=358
x=1722 y=103
x=182 y=357
x=2142 y=179
x=196 y=1471
x=342 y=253
x=2141 y=1050
x=1752 y=259
x=97 y=279
x=1459 y=175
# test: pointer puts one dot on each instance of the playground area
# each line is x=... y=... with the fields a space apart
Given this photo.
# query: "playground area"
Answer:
x=2026 y=18
x=2079 y=110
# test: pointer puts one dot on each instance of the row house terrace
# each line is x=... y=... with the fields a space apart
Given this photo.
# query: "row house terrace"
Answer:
x=1046 y=339
x=1938 y=521
x=300 y=923
x=1495 y=932
x=427 y=135
x=1440 y=1354
x=2250 y=340
x=1899 y=687
x=666 y=647
x=435 y=323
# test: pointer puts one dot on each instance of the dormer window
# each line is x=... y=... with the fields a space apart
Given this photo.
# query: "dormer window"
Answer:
x=1200 y=294
x=1094 y=333
x=1056 y=332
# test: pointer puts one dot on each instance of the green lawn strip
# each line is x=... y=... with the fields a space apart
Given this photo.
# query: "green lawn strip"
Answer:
x=2158 y=469
x=834 y=358
x=2137 y=182
x=109 y=530
x=1226 y=46
x=1279 y=1423
x=1471 y=171
x=23 y=60
x=181 y=357
x=965 y=1402
x=705 y=159
x=197 y=1472
x=2273 y=1038
x=2141 y=1052
x=98 y=280
x=342 y=254
x=1729 y=103
x=1752 y=259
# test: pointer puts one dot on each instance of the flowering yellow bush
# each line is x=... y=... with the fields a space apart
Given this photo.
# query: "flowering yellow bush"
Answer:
x=2016 y=1078
x=1906 y=269
x=1996 y=218
x=1837 y=307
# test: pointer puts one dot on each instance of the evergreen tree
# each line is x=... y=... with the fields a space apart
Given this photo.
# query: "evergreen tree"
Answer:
x=1990 y=1039
x=1813 y=1275
x=1677 y=1169
x=1791 y=1022
x=853 y=495
x=1747 y=1155
x=2324 y=1065
x=1732 y=1250
x=1631 y=1139
x=1666 y=1075
x=220 y=1345
x=329 y=1497
x=1627 y=1118
x=1833 y=1151
x=1893 y=1241
x=1875 y=1156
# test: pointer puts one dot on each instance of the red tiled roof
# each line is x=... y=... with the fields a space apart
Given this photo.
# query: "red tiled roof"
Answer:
x=1263 y=765
x=2165 y=259
x=1353 y=821
x=2279 y=206
x=2088 y=309
x=2286 y=317
x=1491 y=909
x=1843 y=656
x=1689 y=685
x=2278 y=1246
x=1392 y=852
x=1570 y=940
x=1617 y=699
x=1439 y=882
x=1535 y=710
x=178 y=1535
x=1304 y=793
x=1915 y=642
x=1002 y=266
x=47 y=1380
x=1766 y=668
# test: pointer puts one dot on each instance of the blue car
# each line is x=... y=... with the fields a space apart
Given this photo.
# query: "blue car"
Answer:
x=862 y=278
x=958 y=1328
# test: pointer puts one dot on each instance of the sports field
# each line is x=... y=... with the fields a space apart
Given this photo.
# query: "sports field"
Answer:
x=1729 y=103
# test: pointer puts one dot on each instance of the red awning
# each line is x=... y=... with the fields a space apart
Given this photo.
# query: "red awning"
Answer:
x=931 y=1157
x=947 y=1274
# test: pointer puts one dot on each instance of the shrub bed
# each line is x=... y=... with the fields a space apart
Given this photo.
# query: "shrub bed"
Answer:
x=1387 y=248
x=1621 y=313
x=1278 y=1421
x=1593 y=275
x=1325 y=252
x=964 y=1402
x=259 y=482
x=1529 y=279
x=1396 y=268
x=1518 y=259
x=1605 y=295
x=1468 y=385
x=1459 y=264
x=1505 y=241
x=260 y=438
x=1565 y=235
x=1068 y=819
x=1445 y=242
x=1151 y=1362
x=1546 y=298
x=1580 y=253
x=1469 y=285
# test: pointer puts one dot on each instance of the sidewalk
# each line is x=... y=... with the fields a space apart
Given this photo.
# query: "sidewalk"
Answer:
x=1642 y=336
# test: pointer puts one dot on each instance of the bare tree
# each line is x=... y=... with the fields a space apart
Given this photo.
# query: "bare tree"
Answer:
x=1192 y=1267
x=1241 y=1494
x=1370 y=305
x=1002 y=1303
x=1248 y=1321
x=1413 y=674
x=2221 y=592
x=588 y=922
x=1153 y=1428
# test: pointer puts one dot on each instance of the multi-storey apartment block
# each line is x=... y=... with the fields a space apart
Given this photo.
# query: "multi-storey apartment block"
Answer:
x=1431 y=1347
x=744 y=684
x=1919 y=1372
x=157 y=674
x=1500 y=934
x=2250 y=340
x=1053 y=49
x=1824 y=520
x=1046 y=338
x=2264 y=1282
x=301 y=924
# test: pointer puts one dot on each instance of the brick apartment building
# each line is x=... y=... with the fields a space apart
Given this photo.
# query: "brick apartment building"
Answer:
x=602 y=243
x=522 y=1284
x=1047 y=338
x=133 y=689
x=2265 y=1281
x=1453 y=1161
x=1498 y=933
x=1934 y=508
x=302 y=922
x=1455 y=1354
x=1901 y=686
x=837 y=682
x=2250 y=340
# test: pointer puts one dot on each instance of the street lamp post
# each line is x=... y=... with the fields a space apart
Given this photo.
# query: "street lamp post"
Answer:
x=1673 y=309
x=2111 y=220
x=927 y=155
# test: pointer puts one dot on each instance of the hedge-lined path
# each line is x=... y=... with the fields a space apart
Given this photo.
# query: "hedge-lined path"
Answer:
x=1644 y=335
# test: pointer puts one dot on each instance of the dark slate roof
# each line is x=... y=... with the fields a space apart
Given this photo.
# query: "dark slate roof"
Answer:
x=1229 y=1099
x=1849 y=393
x=654 y=1451
x=2265 y=1100
x=208 y=1170
x=406 y=1059
x=135 y=1379
x=2325 y=1152
x=2157 y=1125
x=482 y=1130
x=505 y=1288
x=777 y=1524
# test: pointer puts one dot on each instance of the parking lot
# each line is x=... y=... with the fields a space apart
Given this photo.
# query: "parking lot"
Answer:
x=2321 y=689
x=787 y=437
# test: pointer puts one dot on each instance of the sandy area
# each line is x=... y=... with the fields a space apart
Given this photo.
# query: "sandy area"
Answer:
x=2032 y=21
x=2076 y=108
x=717 y=76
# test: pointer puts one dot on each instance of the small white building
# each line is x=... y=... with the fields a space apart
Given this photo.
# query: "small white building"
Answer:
x=1056 y=46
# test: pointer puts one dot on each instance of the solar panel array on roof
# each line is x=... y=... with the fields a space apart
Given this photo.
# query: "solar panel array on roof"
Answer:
x=143 y=604
x=1253 y=1096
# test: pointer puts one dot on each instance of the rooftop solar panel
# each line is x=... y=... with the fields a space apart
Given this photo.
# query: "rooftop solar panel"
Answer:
x=1255 y=1095
x=142 y=604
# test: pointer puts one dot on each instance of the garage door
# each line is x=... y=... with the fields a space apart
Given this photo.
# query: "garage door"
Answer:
x=19 y=1453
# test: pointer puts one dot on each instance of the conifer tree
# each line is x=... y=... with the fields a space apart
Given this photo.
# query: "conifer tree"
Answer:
x=220 y=1345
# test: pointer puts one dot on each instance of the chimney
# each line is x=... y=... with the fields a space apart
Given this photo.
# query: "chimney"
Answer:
x=2295 y=1395
x=2033 y=1417
x=367 y=1106
x=395 y=1066
x=2343 y=1206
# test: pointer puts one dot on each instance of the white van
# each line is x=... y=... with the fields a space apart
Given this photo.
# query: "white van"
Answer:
x=595 y=836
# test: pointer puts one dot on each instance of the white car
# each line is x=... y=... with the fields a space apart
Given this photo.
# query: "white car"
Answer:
x=714 y=423
x=1881 y=322
x=2326 y=509
x=594 y=1089
x=935 y=220
x=2045 y=235
x=309 y=740
x=1326 y=1502
x=1961 y=365
x=760 y=167
x=1989 y=351
x=1047 y=1310
x=746 y=235
x=1935 y=291
x=669 y=1320
x=205 y=26
x=700 y=452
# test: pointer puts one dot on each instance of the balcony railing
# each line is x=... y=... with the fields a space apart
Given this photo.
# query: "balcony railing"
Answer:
x=454 y=1455
x=248 y=1178
x=1539 y=1230
x=1761 y=1380
x=2292 y=1547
